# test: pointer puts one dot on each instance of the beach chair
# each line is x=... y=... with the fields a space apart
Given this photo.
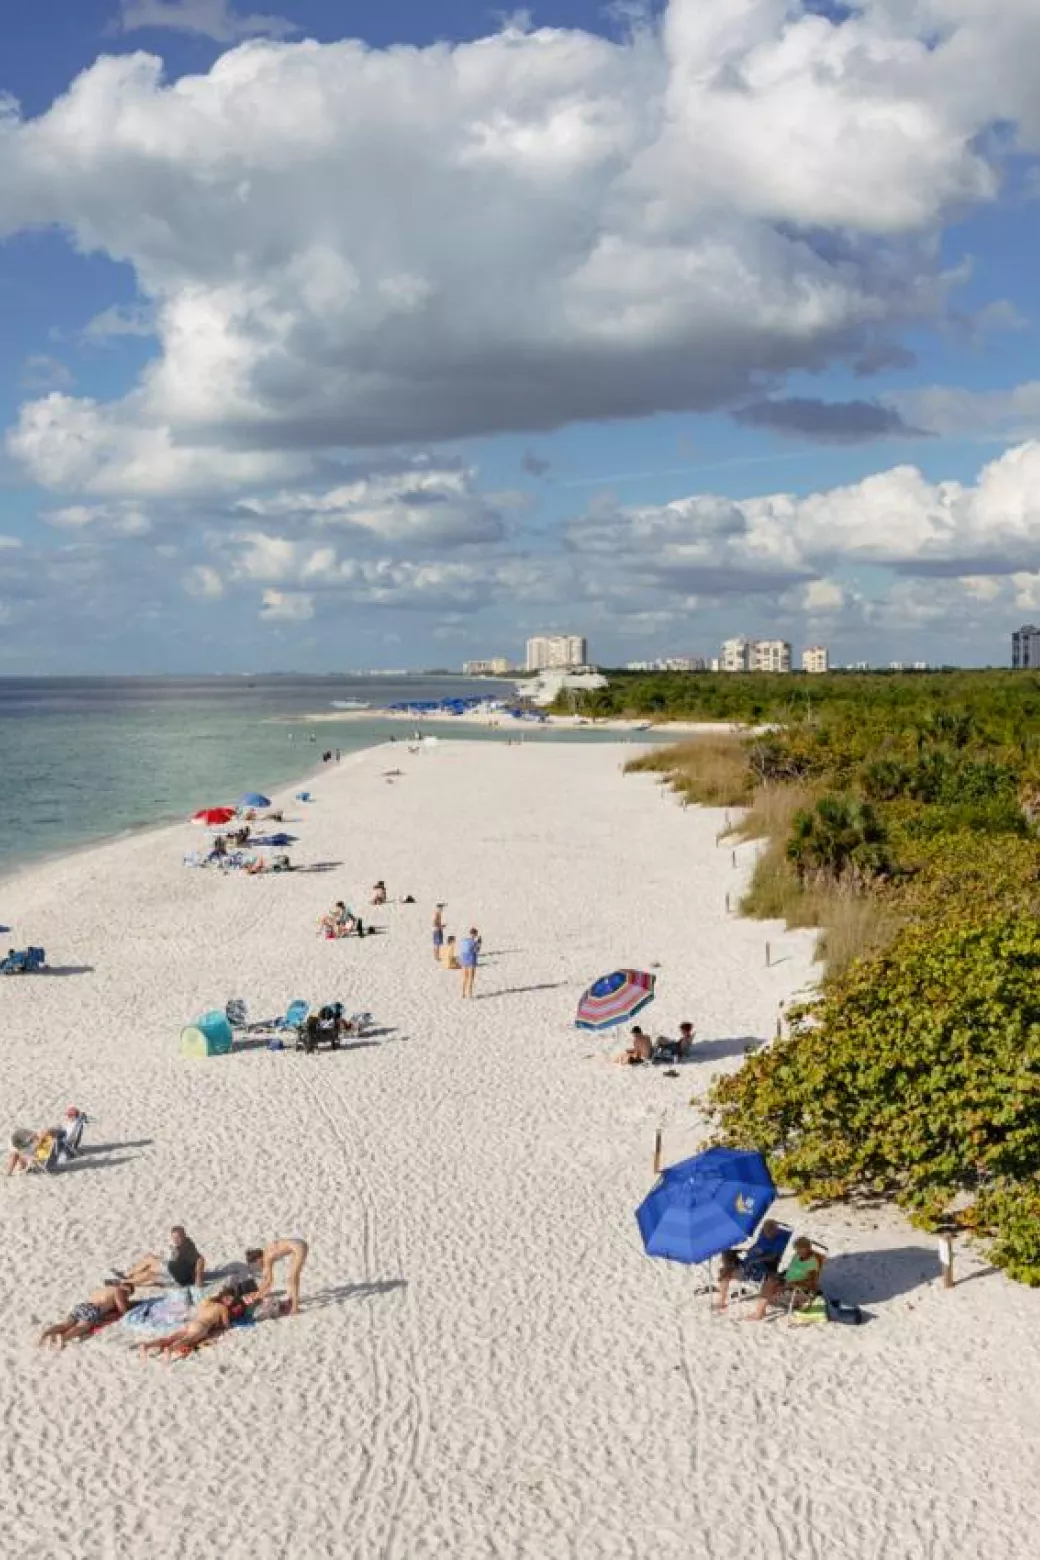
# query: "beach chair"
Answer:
x=71 y=1136
x=759 y=1261
x=193 y=858
x=22 y=961
x=295 y=1015
x=321 y=1028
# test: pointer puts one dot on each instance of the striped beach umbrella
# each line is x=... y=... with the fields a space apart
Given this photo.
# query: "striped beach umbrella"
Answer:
x=615 y=998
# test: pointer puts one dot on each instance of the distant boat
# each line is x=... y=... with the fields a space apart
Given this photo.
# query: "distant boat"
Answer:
x=350 y=704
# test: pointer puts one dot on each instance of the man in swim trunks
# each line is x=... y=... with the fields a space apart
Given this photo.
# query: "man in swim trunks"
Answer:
x=211 y=1316
x=438 y=933
x=183 y=1264
x=264 y=1258
x=108 y=1302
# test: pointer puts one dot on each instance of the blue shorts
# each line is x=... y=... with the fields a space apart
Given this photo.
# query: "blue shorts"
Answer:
x=438 y=938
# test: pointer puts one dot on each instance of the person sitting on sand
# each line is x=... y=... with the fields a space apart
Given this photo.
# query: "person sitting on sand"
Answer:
x=334 y=920
x=760 y=1261
x=801 y=1274
x=449 y=957
x=379 y=893
x=110 y=1301
x=640 y=1050
x=211 y=1316
x=264 y=1258
x=687 y=1035
x=183 y=1265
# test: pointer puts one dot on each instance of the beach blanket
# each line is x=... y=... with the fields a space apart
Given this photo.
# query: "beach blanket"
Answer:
x=274 y=839
x=149 y=1320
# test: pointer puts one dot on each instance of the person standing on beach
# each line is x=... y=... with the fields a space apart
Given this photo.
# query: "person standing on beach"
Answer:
x=469 y=952
x=438 y=932
x=293 y=1250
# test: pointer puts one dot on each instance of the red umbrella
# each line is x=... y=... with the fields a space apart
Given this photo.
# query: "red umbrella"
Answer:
x=214 y=816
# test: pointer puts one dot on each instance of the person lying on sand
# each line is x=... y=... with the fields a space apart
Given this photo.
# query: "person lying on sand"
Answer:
x=183 y=1264
x=110 y=1301
x=211 y=1316
x=639 y=1051
x=262 y=1259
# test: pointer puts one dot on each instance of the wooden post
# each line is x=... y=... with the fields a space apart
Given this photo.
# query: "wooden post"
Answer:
x=779 y=1026
x=946 y=1260
x=657 y=1152
x=769 y=956
x=732 y=858
x=727 y=904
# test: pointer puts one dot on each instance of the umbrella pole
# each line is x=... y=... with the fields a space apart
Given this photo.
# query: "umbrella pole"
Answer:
x=657 y=1152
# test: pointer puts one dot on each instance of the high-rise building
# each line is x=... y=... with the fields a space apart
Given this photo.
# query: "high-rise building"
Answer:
x=816 y=659
x=1025 y=648
x=770 y=655
x=556 y=652
x=735 y=655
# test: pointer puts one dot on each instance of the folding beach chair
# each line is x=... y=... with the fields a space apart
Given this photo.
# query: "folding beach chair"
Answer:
x=72 y=1136
x=38 y=1152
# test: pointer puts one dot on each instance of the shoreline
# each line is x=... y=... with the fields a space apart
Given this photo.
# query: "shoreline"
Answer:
x=15 y=868
x=505 y=723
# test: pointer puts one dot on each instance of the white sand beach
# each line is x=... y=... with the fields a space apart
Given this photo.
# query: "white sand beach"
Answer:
x=487 y=1366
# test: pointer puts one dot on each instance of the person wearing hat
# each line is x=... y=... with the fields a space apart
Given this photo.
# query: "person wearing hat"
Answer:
x=438 y=933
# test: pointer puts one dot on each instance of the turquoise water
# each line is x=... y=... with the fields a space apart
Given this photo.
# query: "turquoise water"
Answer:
x=86 y=759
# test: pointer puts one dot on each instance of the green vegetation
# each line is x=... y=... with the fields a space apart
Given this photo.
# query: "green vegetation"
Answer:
x=900 y=816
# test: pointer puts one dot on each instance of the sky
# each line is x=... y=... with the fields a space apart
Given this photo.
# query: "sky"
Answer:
x=365 y=333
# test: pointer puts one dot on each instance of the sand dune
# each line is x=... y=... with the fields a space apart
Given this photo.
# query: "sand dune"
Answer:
x=486 y=1364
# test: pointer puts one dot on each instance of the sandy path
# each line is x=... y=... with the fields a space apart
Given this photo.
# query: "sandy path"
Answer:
x=487 y=1366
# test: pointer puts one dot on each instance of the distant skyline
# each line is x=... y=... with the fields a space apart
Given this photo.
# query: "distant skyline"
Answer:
x=393 y=334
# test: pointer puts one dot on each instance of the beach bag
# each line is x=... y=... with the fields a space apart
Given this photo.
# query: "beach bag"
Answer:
x=817 y=1310
x=849 y=1315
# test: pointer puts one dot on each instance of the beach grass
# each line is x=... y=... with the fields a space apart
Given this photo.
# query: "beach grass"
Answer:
x=711 y=770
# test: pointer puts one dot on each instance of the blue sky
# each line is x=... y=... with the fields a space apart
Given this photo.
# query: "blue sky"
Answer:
x=655 y=324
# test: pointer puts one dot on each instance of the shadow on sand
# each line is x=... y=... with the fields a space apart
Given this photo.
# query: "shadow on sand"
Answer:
x=716 y=1050
x=869 y=1277
x=66 y=969
x=86 y=1149
x=515 y=991
x=342 y=1294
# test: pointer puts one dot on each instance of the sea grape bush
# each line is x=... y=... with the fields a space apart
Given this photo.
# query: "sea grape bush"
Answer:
x=916 y=1076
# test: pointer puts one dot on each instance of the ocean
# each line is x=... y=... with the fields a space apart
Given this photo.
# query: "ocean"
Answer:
x=87 y=759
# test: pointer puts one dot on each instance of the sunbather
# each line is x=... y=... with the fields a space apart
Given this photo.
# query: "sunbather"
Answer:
x=183 y=1264
x=110 y=1301
x=211 y=1316
x=263 y=1259
x=337 y=921
x=760 y=1261
x=640 y=1050
x=379 y=893
x=802 y=1276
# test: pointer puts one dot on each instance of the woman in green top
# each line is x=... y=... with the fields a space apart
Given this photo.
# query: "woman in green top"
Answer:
x=802 y=1274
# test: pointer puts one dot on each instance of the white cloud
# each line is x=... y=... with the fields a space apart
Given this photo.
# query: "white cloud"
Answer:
x=118 y=320
x=116 y=519
x=895 y=518
x=69 y=443
x=420 y=506
x=210 y=18
x=203 y=581
x=1003 y=416
x=42 y=372
x=287 y=606
x=349 y=246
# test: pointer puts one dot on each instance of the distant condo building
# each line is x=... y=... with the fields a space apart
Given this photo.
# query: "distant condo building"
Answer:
x=770 y=655
x=1025 y=648
x=498 y=666
x=754 y=655
x=556 y=652
x=735 y=655
x=816 y=660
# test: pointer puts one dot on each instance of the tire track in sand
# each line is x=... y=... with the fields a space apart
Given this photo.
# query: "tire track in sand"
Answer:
x=347 y=1135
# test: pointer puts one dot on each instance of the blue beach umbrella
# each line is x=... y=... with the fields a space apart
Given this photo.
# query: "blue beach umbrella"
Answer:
x=706 y=1204
x=254 y=799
